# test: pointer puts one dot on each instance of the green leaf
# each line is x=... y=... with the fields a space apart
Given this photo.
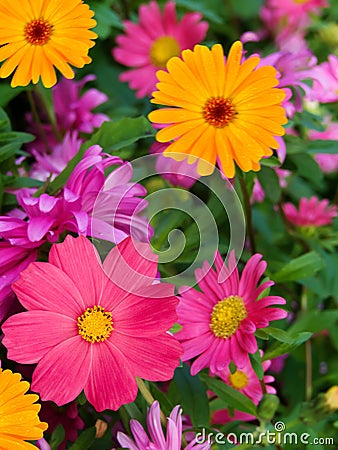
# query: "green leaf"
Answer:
x=308 y=168
x=279 y=335
x=230 y=396
x=309 y=120
x=85 y=439
x=106 y=18
x=165 y=404
x=190 y=393
x=302 y=267
x=270 y=183
x=57 y=437
x=2 y=190
x=321 y=146
x=256 y=363
x=280 y=349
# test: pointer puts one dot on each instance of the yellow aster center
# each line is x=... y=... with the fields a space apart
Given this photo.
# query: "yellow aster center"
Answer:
x=38 y=32
x=238 y=380
x=300 y=1
x=218 y=111
x=227 y=315
x=163 y=48
x=95 y=324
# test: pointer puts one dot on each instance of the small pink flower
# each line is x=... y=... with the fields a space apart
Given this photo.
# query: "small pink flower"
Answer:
x=325 y=87
x=148 y=45
x=311 y=212
x=156 y=439
x=85 y=332
x=178 y=173
x=219 y=323
x=328 y=162
x=247 y=382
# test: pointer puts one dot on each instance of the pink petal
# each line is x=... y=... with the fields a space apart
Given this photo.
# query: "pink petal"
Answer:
x=43 y=286
x=131 y=265
x=38 y=227
x=111 y=383
x=152 y=358
x=30 y=335
x=63 y=372
x=78 y=258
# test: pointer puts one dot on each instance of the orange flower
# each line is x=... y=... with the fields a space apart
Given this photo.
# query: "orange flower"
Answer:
x=229 y=112
x=37 y=35
x=19 y=419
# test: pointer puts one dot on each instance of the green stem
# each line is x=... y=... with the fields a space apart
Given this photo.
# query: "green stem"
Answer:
x=248 y=213
x=50 y=115
x=147 y=395
x=37 y=119
x=308 y=350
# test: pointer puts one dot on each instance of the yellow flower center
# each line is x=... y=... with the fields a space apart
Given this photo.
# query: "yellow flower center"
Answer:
x=218 y=111
x=163 y=48
x=300 y=1
x=95 y=324
x=238 y=380
x=37 y=32
x=227 y=315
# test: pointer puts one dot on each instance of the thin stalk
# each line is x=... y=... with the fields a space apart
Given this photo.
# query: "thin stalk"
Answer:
x=51 y=117
x=147 y=395
x=308 y=351
x=37 y=119
x=248 y=213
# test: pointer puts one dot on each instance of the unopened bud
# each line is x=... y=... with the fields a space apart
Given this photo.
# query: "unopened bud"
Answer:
x=101 y=427
x=267 y=407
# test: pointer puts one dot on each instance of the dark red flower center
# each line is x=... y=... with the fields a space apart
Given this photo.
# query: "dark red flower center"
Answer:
x=38 y=32
x=218 y=111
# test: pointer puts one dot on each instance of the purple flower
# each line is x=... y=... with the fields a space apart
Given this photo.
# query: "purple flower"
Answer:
x=156 y=439
x=325 y=87
x=326 y=161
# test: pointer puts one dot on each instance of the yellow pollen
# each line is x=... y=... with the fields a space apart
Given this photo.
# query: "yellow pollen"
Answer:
x=38 y=32
x=95 y=324
x=238 y=380
x=163 y=48
x=218 y=111
x=227 y=315
x=300 y=1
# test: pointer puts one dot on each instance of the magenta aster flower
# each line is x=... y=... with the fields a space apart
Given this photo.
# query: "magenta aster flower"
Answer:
x=245 y=381
x=312 y=212
x=325 y=87
x=326 y=161
x=148 y=45
x=85 y=332
x=219 y=323
x=156 y=439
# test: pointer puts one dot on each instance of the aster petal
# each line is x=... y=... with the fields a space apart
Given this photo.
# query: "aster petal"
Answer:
x=111 y=383
x=251 y=274
x=68 y=365
x=247 y=341
x=126 y=442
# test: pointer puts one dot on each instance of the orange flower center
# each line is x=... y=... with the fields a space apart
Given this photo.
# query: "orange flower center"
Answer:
x=238 y=380
x=95 y=324
x=227 y=316
x=218 y=111
x=163 y=48
x=37 y=32
x=301 y=1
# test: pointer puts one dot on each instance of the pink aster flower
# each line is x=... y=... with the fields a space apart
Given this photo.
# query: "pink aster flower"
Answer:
x=325 y=87
x=148 y=45
x=85 y=332
x=178 y=173
x=73 y=112
x=113 y=204
x=283 y=18
x=245 y=381
x=327 y=162
x=219 y=323
x=311 y=212
x=156 y=439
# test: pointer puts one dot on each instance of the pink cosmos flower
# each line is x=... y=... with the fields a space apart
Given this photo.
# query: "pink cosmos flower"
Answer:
x=156 y=439
x=85 y=332
x=219 y=323
x=148 y=45
x=311 y=212
x=326 y=161
x=325 y=87
x=178 y=173
x=112 y=203
x=245 y=381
